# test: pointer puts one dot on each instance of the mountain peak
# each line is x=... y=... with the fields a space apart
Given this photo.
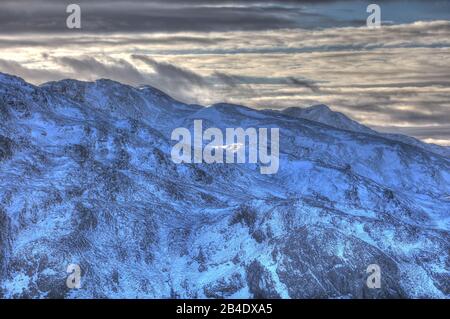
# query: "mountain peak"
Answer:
x=324 y=114
x=10 y=79
x=148 y=89
x=319 y=108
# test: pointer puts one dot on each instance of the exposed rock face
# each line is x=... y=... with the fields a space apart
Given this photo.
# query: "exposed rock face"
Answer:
x=86 y=178
x=260 y=282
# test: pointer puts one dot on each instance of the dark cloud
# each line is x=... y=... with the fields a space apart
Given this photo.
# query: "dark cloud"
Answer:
x=69 y=41
x=175 y=73
x=172 y=72
x=35 y=75
x=305 y=83
x=415 y=116
x=136 y=16
x=195 y=15
x=92 y=69
x=235 y=80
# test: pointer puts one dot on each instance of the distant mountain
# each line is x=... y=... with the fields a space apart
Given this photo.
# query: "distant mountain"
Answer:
x=323 y=114
x=86 y=178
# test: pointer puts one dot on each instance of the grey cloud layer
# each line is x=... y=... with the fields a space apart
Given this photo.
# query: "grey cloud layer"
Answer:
x=194 y=15
x=136 y=16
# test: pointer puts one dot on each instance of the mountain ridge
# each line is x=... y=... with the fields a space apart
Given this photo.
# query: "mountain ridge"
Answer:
x=86 y=178
x=329 y=117
x=341 y=121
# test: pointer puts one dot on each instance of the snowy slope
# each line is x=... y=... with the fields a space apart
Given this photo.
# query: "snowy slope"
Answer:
x=86 y=177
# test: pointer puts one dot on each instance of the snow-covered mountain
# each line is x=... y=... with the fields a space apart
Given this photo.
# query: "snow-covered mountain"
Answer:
x=323 y=114
x=86 y=178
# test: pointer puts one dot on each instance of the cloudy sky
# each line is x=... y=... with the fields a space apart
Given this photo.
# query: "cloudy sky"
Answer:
x=263 y=54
